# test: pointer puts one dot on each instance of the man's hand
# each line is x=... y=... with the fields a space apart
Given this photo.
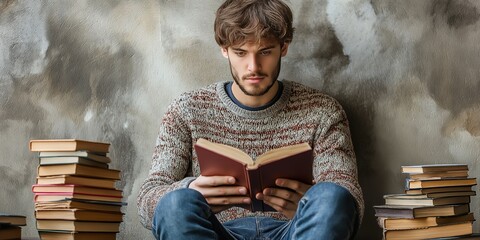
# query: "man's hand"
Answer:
x=285 y=199
x=220 y=191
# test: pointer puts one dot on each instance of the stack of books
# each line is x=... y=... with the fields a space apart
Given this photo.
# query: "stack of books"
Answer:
x=436 y=204
x=10 y=226
x=75 y=193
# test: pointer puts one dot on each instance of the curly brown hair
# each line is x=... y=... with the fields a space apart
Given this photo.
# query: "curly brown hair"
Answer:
x=239 y=21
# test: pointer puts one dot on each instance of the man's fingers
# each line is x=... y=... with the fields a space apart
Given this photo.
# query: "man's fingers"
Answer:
x=227 y=200
x=213 y=181
x=279 y=204
x=223 y=191
x=283 y=194
x=296 y=186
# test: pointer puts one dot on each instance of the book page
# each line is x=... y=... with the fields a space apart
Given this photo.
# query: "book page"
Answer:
x=280 y=153
x=225 y=150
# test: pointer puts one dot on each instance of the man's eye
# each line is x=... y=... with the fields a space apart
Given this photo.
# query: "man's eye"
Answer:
x=240 y=54
x=265 y=53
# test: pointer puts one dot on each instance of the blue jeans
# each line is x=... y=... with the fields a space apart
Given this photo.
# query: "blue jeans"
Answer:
x=327 y=211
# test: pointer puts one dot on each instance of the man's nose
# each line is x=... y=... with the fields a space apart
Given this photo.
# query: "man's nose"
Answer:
x=253 y=64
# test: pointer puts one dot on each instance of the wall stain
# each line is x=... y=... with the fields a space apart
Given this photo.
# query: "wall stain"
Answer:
x=448 y=83
x=329 y=52
x=5 y=4
x=468 y=120
x=15 y=178
x=21 y=104
x=125 y=156
x=449 y=71
x=456 y=14
x=81 y=73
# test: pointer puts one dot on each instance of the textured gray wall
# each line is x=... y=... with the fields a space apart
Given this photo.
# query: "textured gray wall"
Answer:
x=407 y=73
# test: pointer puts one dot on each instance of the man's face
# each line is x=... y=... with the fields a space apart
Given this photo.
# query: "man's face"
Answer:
x=255 y=67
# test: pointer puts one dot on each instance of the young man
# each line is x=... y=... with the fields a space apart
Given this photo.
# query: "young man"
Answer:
x=256 y=112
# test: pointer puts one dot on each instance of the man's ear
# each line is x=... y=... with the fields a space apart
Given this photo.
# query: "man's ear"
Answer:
x=224 y=52
x=285 y=49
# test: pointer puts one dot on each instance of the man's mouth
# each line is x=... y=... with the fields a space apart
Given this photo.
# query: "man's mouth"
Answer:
x=254 y=79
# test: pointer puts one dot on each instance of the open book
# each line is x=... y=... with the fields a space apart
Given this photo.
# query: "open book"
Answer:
x=290 y=162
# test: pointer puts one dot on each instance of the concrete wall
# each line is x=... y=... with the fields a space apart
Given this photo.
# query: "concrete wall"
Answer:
x=407 y=73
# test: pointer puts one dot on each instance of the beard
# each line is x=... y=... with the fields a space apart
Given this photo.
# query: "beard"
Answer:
x=257 y=91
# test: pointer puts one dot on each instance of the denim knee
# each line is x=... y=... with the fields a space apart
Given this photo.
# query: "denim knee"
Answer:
x=175 y=200
x=330 y=193
x=327 y=211
x=337 y=199
x=180 y=203
x=174 y=204
x=330 y=199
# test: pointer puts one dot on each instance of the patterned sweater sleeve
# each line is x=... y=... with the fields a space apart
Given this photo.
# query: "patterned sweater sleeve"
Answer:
x=334 y=154
x=170 y=166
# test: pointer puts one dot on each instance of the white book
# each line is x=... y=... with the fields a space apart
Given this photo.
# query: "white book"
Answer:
x=84 y=154
x=69 y=160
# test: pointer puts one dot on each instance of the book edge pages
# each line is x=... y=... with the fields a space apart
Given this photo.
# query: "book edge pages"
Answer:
x=225 y=150
x=433 y=167
x=279 y=153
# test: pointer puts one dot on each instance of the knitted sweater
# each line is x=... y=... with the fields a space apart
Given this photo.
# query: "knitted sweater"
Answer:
x=301 y=114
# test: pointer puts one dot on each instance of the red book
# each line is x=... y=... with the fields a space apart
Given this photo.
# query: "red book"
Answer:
x=290 y=162
x=67 y=235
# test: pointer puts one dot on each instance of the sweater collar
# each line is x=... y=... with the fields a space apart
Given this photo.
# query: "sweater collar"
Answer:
x=254 y=114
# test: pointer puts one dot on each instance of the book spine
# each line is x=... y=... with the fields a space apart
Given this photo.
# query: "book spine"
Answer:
x=255 y=186
x=263 y=185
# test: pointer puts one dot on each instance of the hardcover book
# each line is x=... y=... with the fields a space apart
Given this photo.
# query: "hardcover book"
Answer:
x=79 y=204
x=10 y=232
x=431 y=168
x=60 y=235
x=77 y=226
x=57 y=145
x=427 y=183
x=404 y=211
x=13 y=219
x=404 y=223
x=290 y=162
x=97 y=156
x=66 y=160
x=430 y=232
x=72 y=188
x=439 y=190
x=79 y=215
x=85 y=181
x=46 y=197
x=404 y=199
x=78 y=170
x=439 y=194
x=440 y=175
